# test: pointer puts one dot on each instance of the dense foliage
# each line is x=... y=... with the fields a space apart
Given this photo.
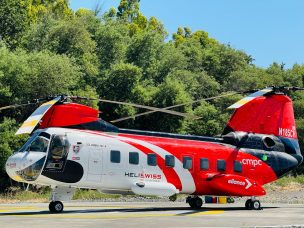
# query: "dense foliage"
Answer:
x=47 y=49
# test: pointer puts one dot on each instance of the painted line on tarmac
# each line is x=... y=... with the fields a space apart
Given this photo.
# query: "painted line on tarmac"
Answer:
x=206 y=213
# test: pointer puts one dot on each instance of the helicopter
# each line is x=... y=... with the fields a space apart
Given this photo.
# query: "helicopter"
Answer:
x=70 y=147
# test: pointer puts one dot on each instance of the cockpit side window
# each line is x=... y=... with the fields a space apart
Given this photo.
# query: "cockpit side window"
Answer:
x=58 y=148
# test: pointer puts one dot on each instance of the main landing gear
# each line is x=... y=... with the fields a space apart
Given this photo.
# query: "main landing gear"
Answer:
x=195 y=202
x=253 y=204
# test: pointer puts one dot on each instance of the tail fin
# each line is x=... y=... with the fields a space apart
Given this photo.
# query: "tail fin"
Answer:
x=270 y=114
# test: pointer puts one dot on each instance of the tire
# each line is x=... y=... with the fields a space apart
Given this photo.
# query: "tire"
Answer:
x=51 y=207
x=191 y=202
x=56 y=207
x=248 y=204
x=198 y=202
x=255 y=205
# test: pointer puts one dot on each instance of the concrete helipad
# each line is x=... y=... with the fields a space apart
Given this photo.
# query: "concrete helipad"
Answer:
x=149 y=214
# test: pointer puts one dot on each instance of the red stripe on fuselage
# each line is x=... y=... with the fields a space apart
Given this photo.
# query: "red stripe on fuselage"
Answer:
x=213 y=151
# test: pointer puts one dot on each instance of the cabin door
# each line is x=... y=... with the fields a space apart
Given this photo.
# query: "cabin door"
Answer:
x=95 y=165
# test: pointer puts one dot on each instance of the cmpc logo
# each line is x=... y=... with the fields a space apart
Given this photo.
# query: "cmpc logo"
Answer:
x=252 y=162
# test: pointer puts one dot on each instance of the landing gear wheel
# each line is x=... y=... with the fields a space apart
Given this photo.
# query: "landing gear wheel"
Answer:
x=248 y=204
x=195 y=202
x=56 y=207
x=255 y=205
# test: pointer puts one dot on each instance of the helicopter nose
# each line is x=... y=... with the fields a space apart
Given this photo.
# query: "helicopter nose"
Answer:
x=12 y=166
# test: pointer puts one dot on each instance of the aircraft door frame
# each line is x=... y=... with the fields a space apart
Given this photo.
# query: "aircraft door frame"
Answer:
x=57 y=154
x=95 y=164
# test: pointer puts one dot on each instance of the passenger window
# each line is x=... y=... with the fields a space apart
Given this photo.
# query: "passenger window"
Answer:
x=187 y=162
x=221 y=165
x=133 y=158
x=152 y=160
x=169 y=159
x=115 y=156
x=204 y=163
x=237 y=166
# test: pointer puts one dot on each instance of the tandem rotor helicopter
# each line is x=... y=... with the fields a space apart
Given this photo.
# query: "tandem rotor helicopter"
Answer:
x=70 y=148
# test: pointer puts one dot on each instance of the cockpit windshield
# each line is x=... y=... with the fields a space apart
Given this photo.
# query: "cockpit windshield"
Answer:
x=38 y=142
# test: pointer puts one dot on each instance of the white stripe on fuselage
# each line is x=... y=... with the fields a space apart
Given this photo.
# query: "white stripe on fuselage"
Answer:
x=188 y=185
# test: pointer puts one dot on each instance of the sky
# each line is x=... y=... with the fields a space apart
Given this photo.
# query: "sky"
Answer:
x=268 y=30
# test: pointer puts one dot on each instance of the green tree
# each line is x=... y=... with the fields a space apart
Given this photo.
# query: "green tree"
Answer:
x=119 y=84
x=112 y=41
x=194 y=55
x=39 y=74
x=9 y=143
x=58 y=9
x=210 y=124
x=144 y=49
x=128 y=9
x=69 y=37
x=170 y=92
x=167 y=59
x=13 y=21
x=198 y=85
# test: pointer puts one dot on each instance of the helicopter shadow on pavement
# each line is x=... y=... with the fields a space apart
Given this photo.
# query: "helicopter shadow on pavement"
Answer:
x=133 y=210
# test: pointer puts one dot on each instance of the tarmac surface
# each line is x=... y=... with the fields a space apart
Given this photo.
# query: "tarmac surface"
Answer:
x=149 y=214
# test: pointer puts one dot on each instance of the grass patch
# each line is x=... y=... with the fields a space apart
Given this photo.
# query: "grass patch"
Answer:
x=84 y=194
x=288 y=180
x=17 y=194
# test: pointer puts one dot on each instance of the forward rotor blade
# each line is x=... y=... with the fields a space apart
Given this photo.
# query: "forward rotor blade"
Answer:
x=16 y=106
x=30 y=123
x=151 y=108
x=174 y=106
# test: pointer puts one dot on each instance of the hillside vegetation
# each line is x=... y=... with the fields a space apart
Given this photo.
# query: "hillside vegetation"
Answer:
x=47 y=49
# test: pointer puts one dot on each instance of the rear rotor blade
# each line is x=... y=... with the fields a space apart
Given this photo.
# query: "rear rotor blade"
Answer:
x=250 y=97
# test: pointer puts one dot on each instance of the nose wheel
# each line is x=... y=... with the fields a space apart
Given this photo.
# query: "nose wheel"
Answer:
x=56 y=207
x=253 y=204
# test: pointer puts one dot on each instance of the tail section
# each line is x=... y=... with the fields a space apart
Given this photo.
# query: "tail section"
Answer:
x=270 y=114
x=267 y=113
